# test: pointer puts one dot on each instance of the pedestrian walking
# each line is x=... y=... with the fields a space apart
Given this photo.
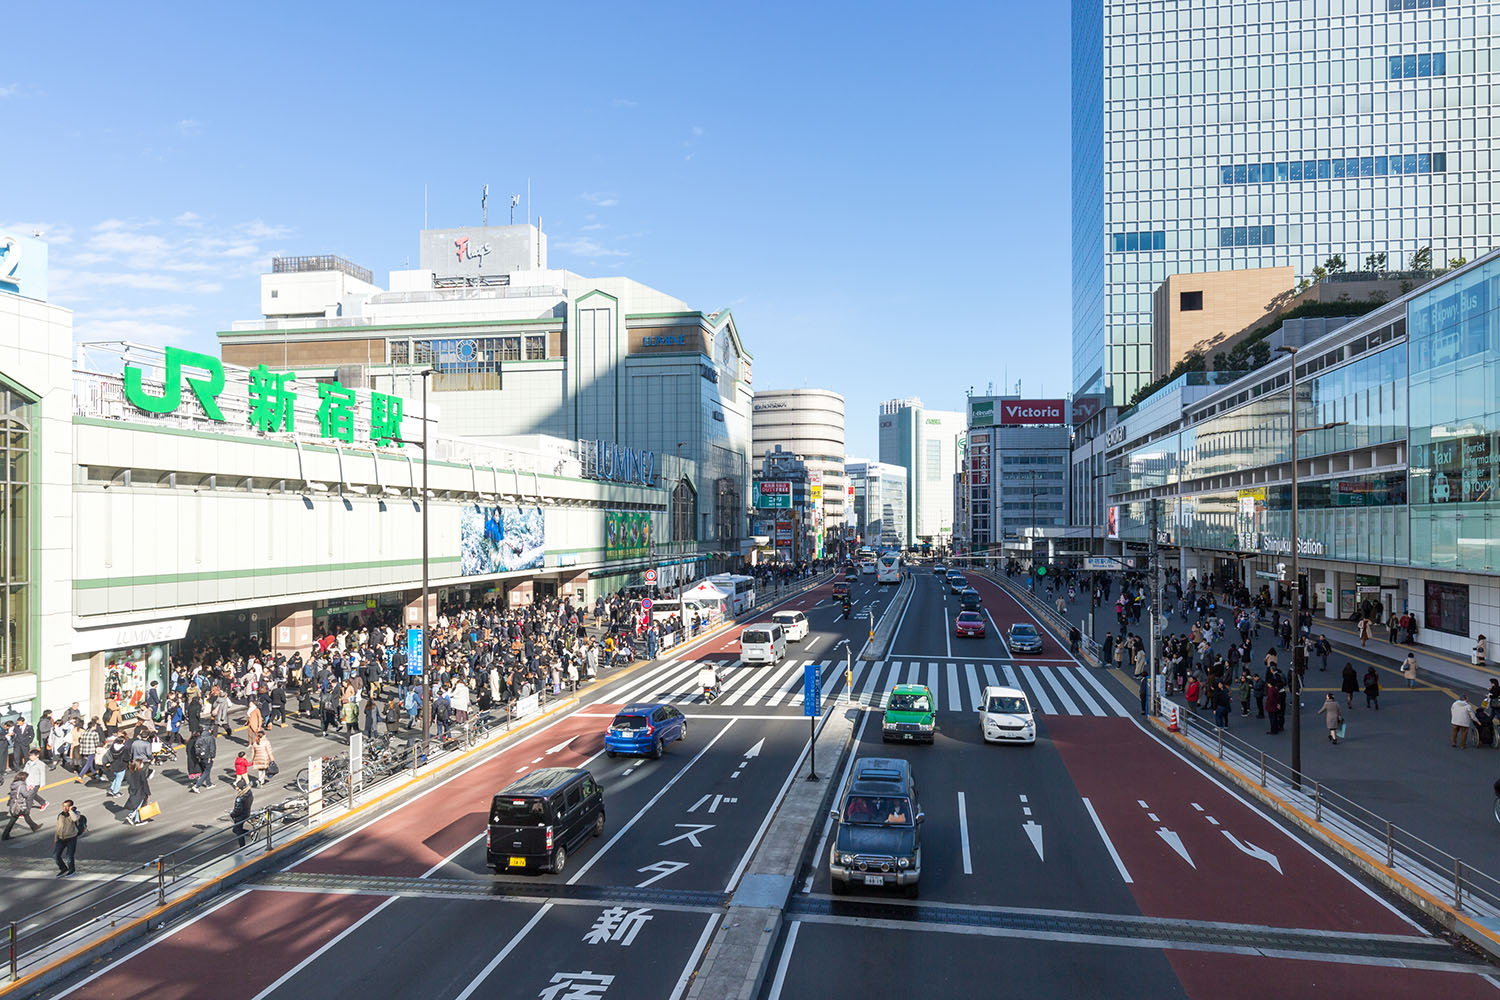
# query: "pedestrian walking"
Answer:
x=1481 y=652
x=261 y=759
x=117 y=758
x=18 y=805
x=1350 y=683
x=239 y=813
x=1372 y=688
x=206 y=744
x=254 y=721
x=1331 y=717
x=1409 y=669
x=138 y=780
x=70 y=824
x=1364 y=632
x=1274 y=708
x=1461 y=715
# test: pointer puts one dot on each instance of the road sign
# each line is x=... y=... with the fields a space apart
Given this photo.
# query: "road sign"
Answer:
x=812 y=689
x=650 y=576
x=414 y=652
x=1107 y=563
x=1263 y=574
x=647 y=604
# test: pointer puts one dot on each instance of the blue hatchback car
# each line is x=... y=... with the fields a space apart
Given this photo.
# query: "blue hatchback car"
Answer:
x=644 y=728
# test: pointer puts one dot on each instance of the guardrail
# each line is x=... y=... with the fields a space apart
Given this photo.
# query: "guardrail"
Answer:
x=1395 y=850
x=1089 y=649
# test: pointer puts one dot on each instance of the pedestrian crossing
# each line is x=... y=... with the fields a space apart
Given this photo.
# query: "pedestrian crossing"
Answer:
x=955 y=684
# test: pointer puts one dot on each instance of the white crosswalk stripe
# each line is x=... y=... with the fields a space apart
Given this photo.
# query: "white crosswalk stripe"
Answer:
x=956 y=686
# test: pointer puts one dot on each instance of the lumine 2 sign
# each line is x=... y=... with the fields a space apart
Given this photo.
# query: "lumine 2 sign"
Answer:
x=273 y=401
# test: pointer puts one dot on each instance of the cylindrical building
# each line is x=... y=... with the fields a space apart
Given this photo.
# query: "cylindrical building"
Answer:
x=808 y=423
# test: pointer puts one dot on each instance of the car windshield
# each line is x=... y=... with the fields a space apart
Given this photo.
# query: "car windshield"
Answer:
x=910 y=703
x=629 y=722
x=1023 y=631
x=877 y=810
x=1009 y=704
x=970 y=618
x=784 y=619
x=749 y=636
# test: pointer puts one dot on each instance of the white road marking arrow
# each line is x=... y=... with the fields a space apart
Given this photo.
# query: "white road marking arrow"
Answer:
x=1253 y=851
x=755 y=750
x=561 y=746
x=693 y=829
x=1034 y=831
x=1175 y=843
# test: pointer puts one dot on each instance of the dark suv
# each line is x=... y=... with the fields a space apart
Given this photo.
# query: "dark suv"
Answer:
x=539 y=818
x=879 y=837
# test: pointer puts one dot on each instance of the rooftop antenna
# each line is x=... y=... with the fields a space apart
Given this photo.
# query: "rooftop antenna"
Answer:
x=484 y=206
x=990 y=390
x=515 y=200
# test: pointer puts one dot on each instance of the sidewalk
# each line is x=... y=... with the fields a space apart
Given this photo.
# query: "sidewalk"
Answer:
x=1395 y=761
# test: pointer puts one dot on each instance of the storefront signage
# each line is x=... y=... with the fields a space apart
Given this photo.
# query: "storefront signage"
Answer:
x=664 y=340
x=981 y=413
x=1113 y=523
x=1086 y=407
x=1281 y=546
x=616 y=463
x=773 y=494
x=1115 y=435
x=1032 y=411
x=273 y=401
x=23 y=266
x=125 y=636
x=772 y=405
x=1447 y=607
x=465 y=252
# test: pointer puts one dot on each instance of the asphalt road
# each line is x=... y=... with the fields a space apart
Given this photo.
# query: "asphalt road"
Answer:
x=404 y=904
x=1096 y=861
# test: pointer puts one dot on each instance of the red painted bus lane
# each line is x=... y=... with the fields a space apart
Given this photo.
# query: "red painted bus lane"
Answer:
x=1193 y=850
x=241 y=948
x=1218 y=976
x=416 y=837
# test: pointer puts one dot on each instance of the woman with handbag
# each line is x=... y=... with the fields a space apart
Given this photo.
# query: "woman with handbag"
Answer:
x=261 y=760
x=138 y=781
x=1332 y=718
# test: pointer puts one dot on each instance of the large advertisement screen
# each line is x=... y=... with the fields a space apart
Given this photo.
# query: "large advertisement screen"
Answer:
x=627 y=534
x=501 y=539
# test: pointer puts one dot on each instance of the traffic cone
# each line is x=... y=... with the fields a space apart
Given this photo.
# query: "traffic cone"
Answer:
x=1172 y=726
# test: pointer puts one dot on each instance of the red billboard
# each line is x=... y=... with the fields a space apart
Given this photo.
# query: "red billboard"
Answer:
x=1032 y=411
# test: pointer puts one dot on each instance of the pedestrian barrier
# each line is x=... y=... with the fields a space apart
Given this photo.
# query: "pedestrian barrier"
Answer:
x=1458 y=895
x=1090 y=650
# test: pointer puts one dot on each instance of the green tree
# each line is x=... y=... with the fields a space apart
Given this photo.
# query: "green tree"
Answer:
x=1304 y=285
x=1422 y=260
x=1375 y=262
x=1335 y=264
x=1319 y=273
x=1457 y=261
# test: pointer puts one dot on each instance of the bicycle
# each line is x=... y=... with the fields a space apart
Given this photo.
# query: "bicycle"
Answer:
x=335 y=771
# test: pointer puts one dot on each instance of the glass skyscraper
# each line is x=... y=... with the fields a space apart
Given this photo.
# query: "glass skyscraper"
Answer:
x=1211 y=136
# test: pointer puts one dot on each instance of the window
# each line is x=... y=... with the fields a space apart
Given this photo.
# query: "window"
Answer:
x=1414 y=66
x=510 y=348
x=1190 y=302
x=536 y=348
x=1447 y=607
x=275 y=293
x=1131 y=242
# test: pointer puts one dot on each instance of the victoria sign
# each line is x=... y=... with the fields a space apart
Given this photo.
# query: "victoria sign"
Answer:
x=1032 y=411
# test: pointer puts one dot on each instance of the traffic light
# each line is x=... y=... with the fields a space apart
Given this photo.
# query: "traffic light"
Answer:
x=1041 y=570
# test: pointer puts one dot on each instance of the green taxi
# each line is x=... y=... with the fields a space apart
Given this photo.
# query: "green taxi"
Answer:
x=910 y=715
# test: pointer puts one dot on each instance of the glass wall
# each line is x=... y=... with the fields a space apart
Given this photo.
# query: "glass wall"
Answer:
x=1454 y=336
x=16 y=413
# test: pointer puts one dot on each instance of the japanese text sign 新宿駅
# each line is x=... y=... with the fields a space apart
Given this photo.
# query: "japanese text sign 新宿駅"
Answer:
x=773 y=494
x=271 y=396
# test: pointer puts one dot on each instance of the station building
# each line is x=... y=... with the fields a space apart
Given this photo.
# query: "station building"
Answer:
x=1397 y=459
x=154 y=496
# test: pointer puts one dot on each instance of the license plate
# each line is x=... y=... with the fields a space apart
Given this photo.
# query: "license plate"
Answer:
x=874 y=880
x=518 y=862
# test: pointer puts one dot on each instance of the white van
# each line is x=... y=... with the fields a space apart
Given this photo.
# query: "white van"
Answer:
x=793 y=624
x=762 y=644
x=1005 y=716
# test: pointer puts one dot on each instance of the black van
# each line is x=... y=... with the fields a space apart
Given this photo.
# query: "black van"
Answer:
x=539 y=818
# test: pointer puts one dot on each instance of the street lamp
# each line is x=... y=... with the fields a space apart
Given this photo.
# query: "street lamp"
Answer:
x=672 y=505
x=1296 y=576
x=426 y=573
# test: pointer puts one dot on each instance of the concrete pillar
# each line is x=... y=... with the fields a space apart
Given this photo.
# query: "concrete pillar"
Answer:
x=292 y=630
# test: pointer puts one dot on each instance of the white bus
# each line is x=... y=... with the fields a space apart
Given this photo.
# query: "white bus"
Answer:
x=888 y=568
x=741 y=591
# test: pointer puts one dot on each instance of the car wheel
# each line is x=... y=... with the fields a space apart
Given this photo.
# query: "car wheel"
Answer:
x=599 y=824
x=838 y=888
x=610 y=754
x=682 y=734
x=656 y=749
x=911 y=890
x=559 y=859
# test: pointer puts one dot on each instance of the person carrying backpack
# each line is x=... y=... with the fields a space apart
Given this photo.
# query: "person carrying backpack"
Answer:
x=207 y=746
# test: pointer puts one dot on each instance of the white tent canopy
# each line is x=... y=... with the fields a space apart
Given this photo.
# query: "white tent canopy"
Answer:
x=706 y=592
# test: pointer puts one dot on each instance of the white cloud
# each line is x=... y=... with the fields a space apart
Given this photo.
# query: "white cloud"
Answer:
x=9 y=90
x=55 y=233
x=259 y=230
x=190 y=219
x=166 y=310
x=625 y=102
x=593 y=226
x=604 y=199
x=140 y=280
x=142 y=331
x=585 y=246
x=697 y=131
x=189 y=126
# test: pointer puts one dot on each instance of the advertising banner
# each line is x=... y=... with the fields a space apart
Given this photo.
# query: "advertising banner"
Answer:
x=774 y=494
x=1113 y=524
x=627 y=534
x=981 y=412
x=501 y=539
x=815 y=487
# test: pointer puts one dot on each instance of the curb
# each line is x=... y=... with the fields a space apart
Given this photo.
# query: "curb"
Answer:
x=890 y=620
x=1451 y=919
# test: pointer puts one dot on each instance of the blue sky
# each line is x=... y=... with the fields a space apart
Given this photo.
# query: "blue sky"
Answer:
x=880 y=192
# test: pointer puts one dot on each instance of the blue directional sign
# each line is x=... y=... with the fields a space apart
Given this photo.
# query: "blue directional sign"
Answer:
x=812 y=689
x=414 y=652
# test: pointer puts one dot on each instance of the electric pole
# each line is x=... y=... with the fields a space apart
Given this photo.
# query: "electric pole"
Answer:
x=1155 y=605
